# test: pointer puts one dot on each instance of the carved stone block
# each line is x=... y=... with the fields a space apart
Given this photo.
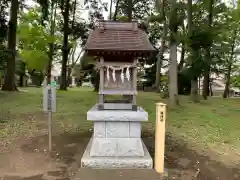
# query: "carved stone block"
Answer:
x=130 y=147
x=103 y=147
x=117 y=129
x=115 y=147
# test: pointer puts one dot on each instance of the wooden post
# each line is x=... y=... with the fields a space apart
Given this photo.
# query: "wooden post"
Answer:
x=160 y=137
x=101 y=84
x=134 y=85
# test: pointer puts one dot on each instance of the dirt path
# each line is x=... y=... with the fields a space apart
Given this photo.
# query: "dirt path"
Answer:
x=29 y=160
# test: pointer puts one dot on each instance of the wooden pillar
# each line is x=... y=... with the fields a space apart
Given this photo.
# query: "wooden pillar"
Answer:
x=134 y=84
x=101 y=84
x=160 y=137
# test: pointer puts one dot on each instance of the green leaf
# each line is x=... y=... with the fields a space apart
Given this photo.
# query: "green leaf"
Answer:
x=35 y=59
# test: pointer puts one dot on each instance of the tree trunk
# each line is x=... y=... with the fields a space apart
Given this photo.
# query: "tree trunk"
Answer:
x=158 y=72
x=229 y=68
x=194 y=90
x=206 y=80
x=110 y=12
x=194 y=82
x=173 y=77
x=183 y=50
x=227 y=85
x=49 y=67
x=116 y=10
x=69 y=71
x=180 y=65
x=210 y=89
x=65 y=51
x=130 y=10
x=51 y=45
x=162 y=50
x=21 y=79
x=194 y=79
x=9 y=79
x=71 y=55
x=41 y=78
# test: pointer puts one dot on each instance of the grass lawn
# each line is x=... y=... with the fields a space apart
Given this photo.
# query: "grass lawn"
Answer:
x=212 y=125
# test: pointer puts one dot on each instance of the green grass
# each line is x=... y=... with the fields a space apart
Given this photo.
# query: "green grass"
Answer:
x=209 y=124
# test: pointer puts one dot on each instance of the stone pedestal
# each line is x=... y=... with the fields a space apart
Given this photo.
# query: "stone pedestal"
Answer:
x=116 y=140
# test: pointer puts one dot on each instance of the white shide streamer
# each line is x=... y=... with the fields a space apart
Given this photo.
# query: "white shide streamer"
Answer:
x=128 y=74
x=114 y=75
x=108 y=76
x=122 y=76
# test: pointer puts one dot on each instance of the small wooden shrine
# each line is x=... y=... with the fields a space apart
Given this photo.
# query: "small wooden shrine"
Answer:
x=118 y=44
x=116 y=140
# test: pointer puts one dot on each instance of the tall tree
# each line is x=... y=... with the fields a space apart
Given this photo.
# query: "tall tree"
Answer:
x=193 y=54
x=110 y=10
x=130 y=10
x=9 y=79
x=66 y=48
x=3 y=37
x=234 y=43
x=173 y=77
x=45 y=17
x=116 y=10
x=163 y=44
x=51 y=44
x=206 y=80
x=230 y=65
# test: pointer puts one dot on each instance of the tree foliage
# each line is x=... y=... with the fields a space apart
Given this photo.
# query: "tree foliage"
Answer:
x=33 y=40
x=212 y=47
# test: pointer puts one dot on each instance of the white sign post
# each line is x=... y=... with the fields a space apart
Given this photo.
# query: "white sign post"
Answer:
x=49 y=106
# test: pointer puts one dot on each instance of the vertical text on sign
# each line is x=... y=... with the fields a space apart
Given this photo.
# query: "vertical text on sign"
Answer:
x=49 y=107
x=49 y=99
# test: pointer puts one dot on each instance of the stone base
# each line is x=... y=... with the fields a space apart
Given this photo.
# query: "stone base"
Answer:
x=110 y=162
x=120 y=147
x=120 y=114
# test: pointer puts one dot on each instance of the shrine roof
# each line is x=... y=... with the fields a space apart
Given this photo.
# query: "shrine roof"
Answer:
x=113 y=36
